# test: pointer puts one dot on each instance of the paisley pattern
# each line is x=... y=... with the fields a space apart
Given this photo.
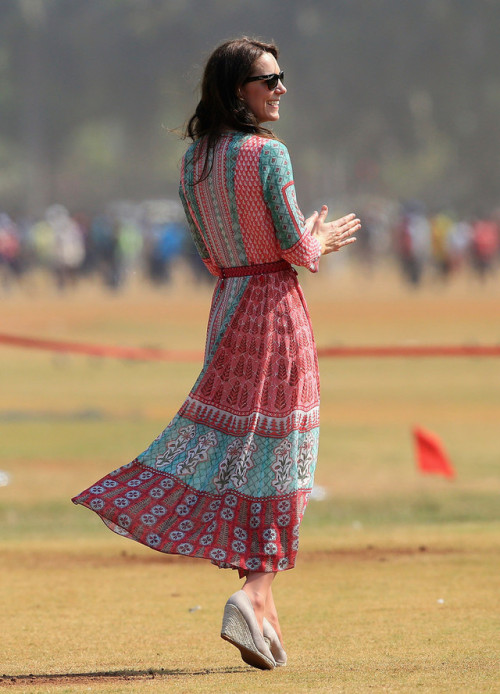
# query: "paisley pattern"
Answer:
x=229 y=478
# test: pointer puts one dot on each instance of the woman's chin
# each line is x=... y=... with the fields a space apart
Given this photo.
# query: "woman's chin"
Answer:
x=270 y=118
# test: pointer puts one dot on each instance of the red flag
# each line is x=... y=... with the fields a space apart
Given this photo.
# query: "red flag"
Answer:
x=431 y=456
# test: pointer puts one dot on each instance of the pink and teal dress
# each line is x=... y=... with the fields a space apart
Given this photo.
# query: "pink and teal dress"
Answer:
x=229 y=478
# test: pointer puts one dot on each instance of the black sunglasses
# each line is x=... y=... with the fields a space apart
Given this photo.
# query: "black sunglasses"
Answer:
x=270 y=80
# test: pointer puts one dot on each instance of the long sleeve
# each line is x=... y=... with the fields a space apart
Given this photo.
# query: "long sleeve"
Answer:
x=298 y=246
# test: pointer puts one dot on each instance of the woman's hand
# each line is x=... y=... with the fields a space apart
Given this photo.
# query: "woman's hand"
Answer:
x=333 y=235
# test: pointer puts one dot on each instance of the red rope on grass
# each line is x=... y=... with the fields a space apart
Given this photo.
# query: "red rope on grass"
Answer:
x=412 y=351
x=151 y=354
x=135 y=353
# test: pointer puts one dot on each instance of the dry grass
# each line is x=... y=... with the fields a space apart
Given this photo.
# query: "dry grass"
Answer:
x=83 y=610
x=108 y=616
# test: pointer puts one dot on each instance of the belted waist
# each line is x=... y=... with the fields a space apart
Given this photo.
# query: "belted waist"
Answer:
x=248 y=270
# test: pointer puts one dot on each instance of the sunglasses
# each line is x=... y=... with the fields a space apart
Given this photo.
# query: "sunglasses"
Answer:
x=270 y=80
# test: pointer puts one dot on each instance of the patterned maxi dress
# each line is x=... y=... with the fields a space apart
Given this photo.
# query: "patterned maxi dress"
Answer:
x=229 y=478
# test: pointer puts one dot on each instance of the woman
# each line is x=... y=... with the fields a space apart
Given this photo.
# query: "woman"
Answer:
x=229 y=478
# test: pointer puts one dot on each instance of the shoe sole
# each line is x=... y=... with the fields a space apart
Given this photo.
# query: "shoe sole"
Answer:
x=235 y=630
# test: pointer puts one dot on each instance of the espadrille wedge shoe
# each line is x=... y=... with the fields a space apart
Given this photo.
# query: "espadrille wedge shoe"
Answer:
x=272 y=640
x=240 y=627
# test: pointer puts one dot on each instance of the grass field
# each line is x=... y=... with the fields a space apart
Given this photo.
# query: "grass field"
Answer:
x=396 y=588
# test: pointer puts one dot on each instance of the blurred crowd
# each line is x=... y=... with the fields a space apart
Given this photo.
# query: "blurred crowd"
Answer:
x=427 y=245
x=126 y=239
x=149 y=238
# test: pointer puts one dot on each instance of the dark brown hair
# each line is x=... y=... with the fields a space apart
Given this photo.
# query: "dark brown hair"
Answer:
x=220 y=107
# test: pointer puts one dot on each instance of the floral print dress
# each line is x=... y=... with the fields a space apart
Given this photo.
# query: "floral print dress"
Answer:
x=229 y=478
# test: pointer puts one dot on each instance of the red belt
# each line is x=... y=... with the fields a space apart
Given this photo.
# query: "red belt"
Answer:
x=248 y=270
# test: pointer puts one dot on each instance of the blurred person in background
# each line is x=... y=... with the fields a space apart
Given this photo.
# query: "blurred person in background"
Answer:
x=58 y=245
x=459 y=241
x=412 y=242
x=105 y=250
x=130 y=245
x=166 y=242
x=10 y=251
x=441 y=229
x=485 y=245
x=68 y=248
x=43 y=245
x=228 y=480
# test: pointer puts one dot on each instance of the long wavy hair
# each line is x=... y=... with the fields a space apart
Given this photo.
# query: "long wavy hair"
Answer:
x=220 y=107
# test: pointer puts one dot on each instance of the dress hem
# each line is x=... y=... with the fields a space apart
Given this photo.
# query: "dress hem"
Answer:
x=229 y=528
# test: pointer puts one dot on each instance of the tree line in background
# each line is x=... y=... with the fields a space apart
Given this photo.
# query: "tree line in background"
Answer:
x=387 y=99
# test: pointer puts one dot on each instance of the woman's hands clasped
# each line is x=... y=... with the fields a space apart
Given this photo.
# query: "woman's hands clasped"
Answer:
x=333 y=235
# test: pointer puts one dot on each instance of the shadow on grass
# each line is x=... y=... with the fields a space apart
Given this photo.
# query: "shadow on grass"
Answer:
x=83 y=677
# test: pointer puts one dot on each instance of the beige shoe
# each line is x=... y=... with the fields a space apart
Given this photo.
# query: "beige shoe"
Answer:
x=239 y=627
x=272 y=640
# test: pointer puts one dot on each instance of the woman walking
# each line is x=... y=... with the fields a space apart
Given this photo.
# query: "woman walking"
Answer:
x=229 y=478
